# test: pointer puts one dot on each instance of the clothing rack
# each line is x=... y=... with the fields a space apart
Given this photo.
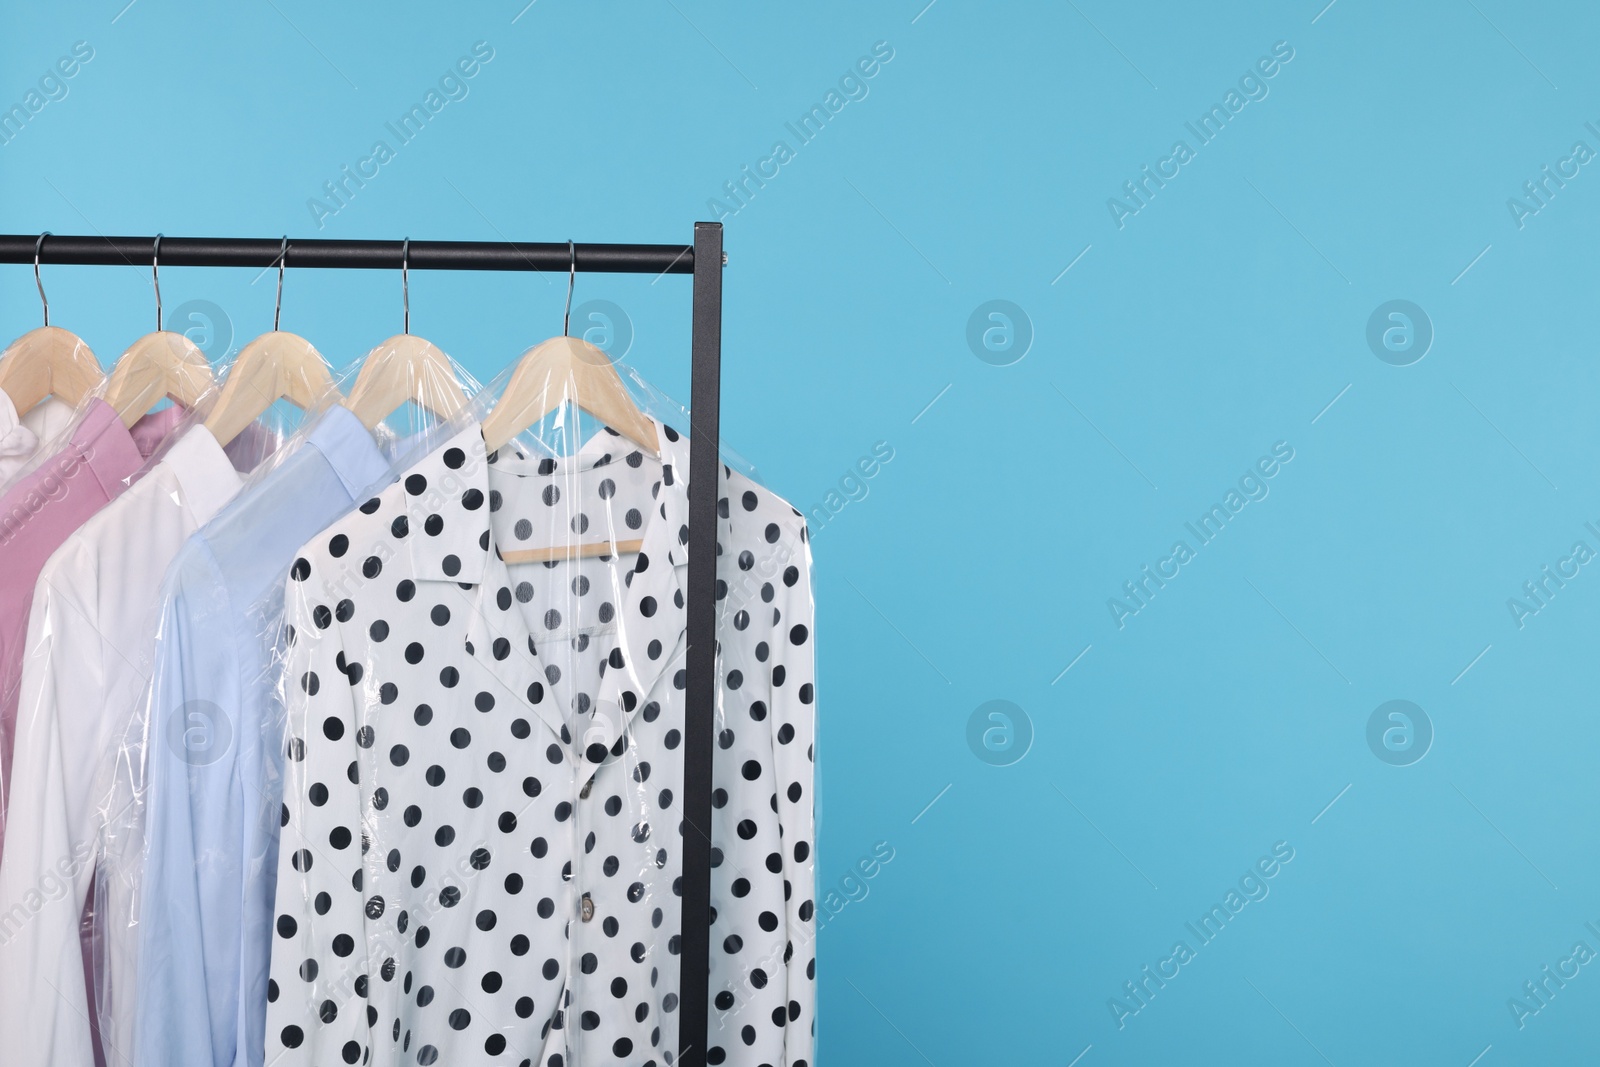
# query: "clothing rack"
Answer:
x=704 y=260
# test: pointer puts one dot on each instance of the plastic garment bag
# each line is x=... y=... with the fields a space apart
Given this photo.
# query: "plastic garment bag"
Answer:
x=191 y=810
x=93 y=460
x=483 y=687
x=78 y=674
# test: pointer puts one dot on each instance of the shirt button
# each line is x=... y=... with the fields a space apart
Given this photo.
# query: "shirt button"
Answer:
x=587 y=907
x=583 y=794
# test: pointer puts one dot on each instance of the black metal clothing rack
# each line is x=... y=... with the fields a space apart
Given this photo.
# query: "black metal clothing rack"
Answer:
x=703 y=259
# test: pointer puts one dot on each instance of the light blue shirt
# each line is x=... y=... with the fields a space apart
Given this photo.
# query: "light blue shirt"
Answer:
x=214 y=786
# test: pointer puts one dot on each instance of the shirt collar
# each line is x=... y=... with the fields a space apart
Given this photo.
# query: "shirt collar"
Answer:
x=154 y=428
x=349 y=449
x=204 y=473
x=15 y=438
x=114 y=452
x=106 y=447
x=447 y=539
x=675 y=496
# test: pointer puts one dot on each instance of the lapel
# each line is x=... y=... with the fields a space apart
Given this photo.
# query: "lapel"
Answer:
x=449 y=541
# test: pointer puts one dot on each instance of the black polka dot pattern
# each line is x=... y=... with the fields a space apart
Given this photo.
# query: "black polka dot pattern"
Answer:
x=481 y=808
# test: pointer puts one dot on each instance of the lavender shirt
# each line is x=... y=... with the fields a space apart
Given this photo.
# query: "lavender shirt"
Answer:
x=40 y=511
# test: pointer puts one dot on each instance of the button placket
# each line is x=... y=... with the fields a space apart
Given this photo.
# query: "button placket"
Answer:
x=581 y=825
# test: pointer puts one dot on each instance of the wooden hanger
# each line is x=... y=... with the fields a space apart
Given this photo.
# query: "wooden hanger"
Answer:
x=405 y=367
x=275 y=366
x=553 y=373
x=157 y=365
x=48 y=361
x=563 y=370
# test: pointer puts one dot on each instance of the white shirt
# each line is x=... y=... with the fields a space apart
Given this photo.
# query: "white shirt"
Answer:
x=21 y=439
x=480 y=851
x=86 y=662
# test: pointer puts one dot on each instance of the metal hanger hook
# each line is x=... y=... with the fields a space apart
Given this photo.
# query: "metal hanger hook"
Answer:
x=405 y=283
x=155 y=274
x=572 y=279
x=277 y=307
x=37 y=280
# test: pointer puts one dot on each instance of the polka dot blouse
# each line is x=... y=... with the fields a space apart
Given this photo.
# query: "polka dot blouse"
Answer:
x=480 y=857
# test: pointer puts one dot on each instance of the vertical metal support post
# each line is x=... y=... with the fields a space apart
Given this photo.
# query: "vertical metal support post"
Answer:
x=699 y=733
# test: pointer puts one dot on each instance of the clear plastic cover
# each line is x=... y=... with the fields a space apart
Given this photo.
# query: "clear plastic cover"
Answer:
x=190 y=811
x=375 y=754
x=27 y=368
x=99 y=523
x=91 y=461
x=94 y=525
x=482 y=680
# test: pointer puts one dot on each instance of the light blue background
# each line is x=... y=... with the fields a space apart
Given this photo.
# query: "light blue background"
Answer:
x=1227 y=315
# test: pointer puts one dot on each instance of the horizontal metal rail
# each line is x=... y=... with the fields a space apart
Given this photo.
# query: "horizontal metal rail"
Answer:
x=369 y=255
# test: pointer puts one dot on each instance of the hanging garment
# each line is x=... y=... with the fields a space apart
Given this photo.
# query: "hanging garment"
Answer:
x=84 y=671
x=213 y=790
x=480 y=855
x=38 y=513
x=22 y=438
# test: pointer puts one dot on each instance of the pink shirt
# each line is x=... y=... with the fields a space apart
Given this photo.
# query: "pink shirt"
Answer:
x=40 y=511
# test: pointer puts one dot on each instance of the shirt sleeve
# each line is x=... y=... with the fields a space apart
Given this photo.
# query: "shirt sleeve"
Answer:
x=48 y=865
x=764 y=926
x=793 y=719
x=189 y=921
x=316 y=1010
